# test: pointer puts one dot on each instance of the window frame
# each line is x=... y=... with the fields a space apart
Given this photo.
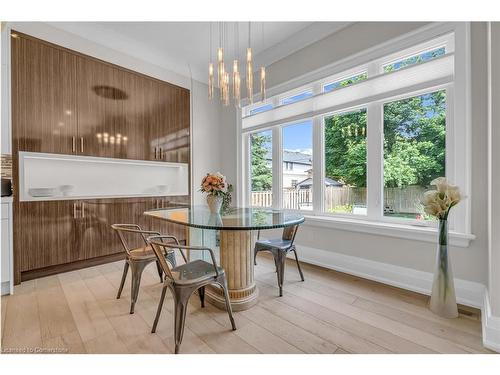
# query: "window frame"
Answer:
x=342 y=77
x=457 y=131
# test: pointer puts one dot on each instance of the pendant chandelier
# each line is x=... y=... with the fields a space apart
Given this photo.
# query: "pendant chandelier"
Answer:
x=223 y=76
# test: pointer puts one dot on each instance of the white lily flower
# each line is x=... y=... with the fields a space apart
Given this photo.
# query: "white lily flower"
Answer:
x=439 y=202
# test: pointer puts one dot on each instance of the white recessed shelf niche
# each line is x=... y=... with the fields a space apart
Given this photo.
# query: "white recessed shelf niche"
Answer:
x=45 y=177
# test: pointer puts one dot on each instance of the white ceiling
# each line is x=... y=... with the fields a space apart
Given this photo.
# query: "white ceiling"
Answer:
x=181 y=46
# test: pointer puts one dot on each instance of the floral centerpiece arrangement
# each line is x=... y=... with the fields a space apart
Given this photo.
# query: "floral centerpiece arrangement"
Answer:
x=438 y=203
x=218 y=191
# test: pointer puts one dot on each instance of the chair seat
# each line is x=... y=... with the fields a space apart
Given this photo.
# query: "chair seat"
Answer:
x=194 y=272
x=278 y=244
x=142 y=253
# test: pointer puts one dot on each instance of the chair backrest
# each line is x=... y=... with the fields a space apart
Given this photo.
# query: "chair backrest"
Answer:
x=134 y=229
x=289 y=233
x=162 y=248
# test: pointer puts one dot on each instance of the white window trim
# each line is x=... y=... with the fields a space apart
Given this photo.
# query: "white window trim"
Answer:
x=458 y=138
x=443 y=41
x=341 y=77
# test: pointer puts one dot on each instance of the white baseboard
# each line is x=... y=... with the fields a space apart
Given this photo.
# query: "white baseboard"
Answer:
x=491 y=326
x=468 y=293
x=5 y=288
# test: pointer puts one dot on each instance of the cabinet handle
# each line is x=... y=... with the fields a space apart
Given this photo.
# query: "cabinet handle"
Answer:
x=155 y=153
x=73 y=147
x=81 y=144
x=74 y=210
x=83 y=210
x=161 y=153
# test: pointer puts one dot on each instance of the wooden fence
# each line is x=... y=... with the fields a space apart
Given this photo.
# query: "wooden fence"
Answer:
x=262 y=198
x=402 y=200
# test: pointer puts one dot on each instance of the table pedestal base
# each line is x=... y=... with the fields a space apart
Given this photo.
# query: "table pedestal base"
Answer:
x=236 y=257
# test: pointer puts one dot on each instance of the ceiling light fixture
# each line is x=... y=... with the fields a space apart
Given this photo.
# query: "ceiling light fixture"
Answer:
x=223 y=77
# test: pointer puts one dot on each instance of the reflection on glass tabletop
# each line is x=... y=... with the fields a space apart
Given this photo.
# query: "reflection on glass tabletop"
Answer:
x=233 y=219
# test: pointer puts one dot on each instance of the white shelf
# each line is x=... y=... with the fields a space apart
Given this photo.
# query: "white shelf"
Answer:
x=95 y=177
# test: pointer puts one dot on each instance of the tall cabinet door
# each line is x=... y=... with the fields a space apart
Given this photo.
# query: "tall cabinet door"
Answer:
x=101 y=97
x=173 y=130
x=48 y=233
x=43 y=97
x=98 y=238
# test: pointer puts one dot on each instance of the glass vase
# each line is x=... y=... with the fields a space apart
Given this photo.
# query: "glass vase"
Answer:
x=214 y=203
x=443 y=301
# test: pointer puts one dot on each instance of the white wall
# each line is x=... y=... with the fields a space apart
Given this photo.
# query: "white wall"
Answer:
x=468 y=263
x=208 y=118
x=214 y=131
x=494 y=177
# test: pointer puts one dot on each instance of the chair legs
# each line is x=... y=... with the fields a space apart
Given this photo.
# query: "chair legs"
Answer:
x=280 y=260
x=201 y=294
x=160 y=272
x=228 y=304
x=160 y=306
x=136 y=268
x=124 y=277
x=181 y=301
x=298 y=264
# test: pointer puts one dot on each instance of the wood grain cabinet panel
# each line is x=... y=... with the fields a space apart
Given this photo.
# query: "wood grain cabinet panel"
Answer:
x=43 y=97
x=99 y=239
x=101 y=117
x=173 y=133
x=46 y=234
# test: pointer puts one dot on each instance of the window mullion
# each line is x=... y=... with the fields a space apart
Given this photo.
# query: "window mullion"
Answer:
x=374 y=161
x=246 y=171
x=277 y=168
x=318 y=165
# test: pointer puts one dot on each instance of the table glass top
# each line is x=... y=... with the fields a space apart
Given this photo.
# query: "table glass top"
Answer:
x=233 y=219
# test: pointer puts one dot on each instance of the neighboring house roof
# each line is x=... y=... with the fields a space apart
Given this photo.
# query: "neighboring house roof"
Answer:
x=293 y=157
x=307 y=183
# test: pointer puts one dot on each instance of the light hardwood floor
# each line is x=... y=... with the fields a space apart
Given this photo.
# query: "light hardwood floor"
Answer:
x=330 y=312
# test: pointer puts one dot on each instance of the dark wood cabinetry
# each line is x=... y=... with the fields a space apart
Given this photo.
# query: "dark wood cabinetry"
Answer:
x=43 y=97
x=46 y=234
x=68 y=103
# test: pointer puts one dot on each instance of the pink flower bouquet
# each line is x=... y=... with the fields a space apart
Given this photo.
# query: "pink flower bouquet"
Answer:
x=214 y=184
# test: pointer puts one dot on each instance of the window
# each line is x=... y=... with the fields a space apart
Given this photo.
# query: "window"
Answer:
x=297 y=152
x=424 y=56
x=414 y=152
x=297 y=98
x=261 y=109
x=344 y=82
x=345 y=163
x=261 y=169
x=378 y=139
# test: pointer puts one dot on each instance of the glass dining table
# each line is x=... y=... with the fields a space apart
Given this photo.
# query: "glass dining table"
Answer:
x=231 y=235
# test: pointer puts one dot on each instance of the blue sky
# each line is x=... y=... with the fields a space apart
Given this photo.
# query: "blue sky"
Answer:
x=298 y=136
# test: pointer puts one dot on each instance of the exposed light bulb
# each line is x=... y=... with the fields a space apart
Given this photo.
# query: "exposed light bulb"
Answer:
x=225 y=85
x=249 y=75
x=236 y=84
x=221 y=68
x=262 y=83
x=210 y=80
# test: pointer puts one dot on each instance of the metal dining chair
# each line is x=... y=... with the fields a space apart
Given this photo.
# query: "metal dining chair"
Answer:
x=279 y=248
x=184 y=280
x=137 y=258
